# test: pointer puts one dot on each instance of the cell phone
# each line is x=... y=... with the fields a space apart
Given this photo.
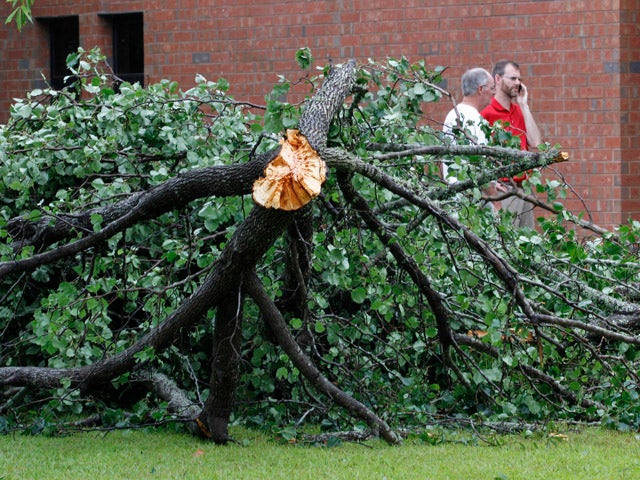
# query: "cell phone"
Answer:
x=520 y=88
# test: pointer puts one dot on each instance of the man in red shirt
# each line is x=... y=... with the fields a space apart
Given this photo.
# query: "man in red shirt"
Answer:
x=509 y=105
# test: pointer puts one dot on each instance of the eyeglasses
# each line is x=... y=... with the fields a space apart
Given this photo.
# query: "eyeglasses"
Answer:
x=492 y=87
x=513 y=79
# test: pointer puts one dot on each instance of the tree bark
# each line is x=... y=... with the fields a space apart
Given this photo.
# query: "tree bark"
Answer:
x=277 y=324
x=225 y=369
x=219 y=181
x=297 y=265
x=177 y=401
x=233 y=272
x=251 y=240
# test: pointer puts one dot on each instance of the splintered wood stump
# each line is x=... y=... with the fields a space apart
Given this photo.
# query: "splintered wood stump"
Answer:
x=293 y=178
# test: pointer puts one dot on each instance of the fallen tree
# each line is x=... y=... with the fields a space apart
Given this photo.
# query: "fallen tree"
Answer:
x=130 y=267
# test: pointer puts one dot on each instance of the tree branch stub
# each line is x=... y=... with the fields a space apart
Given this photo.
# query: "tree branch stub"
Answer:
x=293 y=178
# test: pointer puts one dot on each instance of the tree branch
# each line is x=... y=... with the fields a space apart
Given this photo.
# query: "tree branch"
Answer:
x=175 y=193
x=276 y=322
x=343 y=160
x=249 y=243
x=528 y=369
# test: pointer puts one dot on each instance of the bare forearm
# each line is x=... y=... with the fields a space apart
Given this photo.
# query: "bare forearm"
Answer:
x=534 y=138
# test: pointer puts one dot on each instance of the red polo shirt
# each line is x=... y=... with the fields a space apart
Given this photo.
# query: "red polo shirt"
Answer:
x=514 y=117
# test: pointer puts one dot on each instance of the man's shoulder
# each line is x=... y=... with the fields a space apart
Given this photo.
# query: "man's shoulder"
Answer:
x=468 y=110
x=451 y=117
x=467 y=118
x=464 y=111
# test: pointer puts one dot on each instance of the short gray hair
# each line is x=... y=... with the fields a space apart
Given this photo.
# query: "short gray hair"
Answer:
x=474 y=78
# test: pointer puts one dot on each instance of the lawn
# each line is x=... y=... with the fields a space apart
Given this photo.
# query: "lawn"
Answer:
x=587 y=453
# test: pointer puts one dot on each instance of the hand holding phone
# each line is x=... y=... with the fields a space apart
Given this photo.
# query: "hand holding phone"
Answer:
x=522 y=95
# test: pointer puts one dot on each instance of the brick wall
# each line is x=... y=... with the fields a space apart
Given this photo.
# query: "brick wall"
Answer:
x=630 y=106
x=580 y=60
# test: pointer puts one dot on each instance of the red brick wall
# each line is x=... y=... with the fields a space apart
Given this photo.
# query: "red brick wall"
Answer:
x=630 y=106
x=580 y=60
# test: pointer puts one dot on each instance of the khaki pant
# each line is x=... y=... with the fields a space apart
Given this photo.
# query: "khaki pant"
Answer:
x=522 y=211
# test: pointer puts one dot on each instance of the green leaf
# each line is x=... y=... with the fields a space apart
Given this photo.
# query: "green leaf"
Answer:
x=145 y=355
x=304 y=58
x=359 y=295
x=96 y=221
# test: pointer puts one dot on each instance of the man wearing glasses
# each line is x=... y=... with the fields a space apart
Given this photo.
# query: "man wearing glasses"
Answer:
x=478 y=88
x=509 y=106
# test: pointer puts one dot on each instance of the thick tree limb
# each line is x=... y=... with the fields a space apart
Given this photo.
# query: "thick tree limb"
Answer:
x=225 y=368
x=276 y=322
x=345 y=161
x=434 y=298
x=174 y=193
x=177 y=401
x=518 y=161
x=587 y=327
x=611 y=303
x=397 y=150
x=249 y=243
x=316 y=118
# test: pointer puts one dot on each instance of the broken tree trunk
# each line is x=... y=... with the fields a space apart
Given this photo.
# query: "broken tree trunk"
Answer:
x=223 y=288
x=286 y=187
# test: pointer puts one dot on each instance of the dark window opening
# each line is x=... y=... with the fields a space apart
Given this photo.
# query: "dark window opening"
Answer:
x=64 y=38
x=128 y=46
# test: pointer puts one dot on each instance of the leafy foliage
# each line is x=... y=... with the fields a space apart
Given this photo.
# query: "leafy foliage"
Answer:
x=366 y=322
x=21 y=13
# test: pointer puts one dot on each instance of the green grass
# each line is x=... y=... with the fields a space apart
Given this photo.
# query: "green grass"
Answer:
x=586 y=454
